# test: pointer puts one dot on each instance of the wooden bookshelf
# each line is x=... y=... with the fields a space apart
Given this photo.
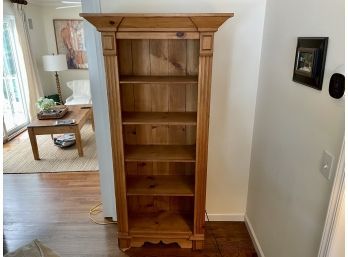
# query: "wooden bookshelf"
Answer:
x=158 y=72
x=160 y=222
x=160 y=153
x=159 y=80
x=159 y=118
x=163 y=185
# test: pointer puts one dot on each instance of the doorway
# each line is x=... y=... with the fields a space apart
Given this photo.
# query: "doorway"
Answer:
x=15 y=107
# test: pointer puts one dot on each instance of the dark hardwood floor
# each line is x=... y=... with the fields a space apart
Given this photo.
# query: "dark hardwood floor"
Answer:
x=53 y=207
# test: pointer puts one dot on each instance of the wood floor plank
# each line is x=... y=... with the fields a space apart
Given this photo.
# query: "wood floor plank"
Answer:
x=53 y=207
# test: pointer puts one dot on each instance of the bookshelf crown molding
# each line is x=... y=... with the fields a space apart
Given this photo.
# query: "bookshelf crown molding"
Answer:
x=158 y=22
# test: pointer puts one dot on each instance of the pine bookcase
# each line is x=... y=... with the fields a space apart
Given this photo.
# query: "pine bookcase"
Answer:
x=158 y=71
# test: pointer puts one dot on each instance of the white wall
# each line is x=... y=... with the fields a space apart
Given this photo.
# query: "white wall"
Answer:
x=337 y=247
x=100 y=110
x=288 y=197
x=39 y=46
x=44 y=42
x=234 y=87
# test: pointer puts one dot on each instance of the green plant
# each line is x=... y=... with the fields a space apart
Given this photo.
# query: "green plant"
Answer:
x=45 y=104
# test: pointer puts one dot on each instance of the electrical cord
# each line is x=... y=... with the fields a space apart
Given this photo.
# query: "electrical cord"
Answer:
x=96 y=210
x=216 y=243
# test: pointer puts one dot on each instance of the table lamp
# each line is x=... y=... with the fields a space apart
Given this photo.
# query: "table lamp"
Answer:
x=55 y=63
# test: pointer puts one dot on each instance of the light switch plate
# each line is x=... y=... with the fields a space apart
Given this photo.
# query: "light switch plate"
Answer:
x=326 y=165
x=30 y=23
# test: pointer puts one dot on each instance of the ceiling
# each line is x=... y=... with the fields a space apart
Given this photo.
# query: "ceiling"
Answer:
x=53 y=3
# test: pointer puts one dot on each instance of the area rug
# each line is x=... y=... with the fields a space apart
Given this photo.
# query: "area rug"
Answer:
x=19 y=159
x=33 y=249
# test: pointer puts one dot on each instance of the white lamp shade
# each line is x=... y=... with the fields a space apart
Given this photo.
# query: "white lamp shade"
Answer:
x=54 y=62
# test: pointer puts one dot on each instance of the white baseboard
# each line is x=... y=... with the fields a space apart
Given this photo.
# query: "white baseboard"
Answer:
x=226 y=217
x=254 y=238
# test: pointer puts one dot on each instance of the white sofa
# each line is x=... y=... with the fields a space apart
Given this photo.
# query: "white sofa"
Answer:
x=81 y=92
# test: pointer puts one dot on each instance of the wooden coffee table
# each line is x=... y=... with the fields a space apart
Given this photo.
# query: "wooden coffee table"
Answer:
x=80 y=113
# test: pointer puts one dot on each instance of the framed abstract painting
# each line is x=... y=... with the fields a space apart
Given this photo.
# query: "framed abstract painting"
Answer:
x=70 y=41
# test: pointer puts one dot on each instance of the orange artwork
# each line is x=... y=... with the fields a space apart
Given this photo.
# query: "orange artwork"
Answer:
x=70 y=41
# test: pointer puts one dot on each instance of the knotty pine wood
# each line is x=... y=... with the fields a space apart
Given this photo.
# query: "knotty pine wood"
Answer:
x=158 y=80
x=148 y=97
x=159 y=134
x=162 y=185
x=113 y=93
x=160 y=168
x=162 y=75
x=156 y=204
x=157 y=35
x=162 y=97
x=159 y=118
x=160 y=223
x=202 y=141
x=158 y=58
x=156 y=24
x=160 y=153
x=150 y=22
x=33 y=208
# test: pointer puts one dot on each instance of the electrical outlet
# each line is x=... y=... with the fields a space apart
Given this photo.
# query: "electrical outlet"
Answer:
x=326 y=165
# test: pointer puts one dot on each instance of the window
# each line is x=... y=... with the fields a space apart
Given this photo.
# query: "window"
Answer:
x=14 y=80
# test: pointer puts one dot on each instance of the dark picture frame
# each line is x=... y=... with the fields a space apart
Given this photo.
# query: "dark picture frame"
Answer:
x=310 y=60
x=70 y=41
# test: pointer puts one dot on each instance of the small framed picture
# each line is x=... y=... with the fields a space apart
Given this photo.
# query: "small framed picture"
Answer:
x=310 y=61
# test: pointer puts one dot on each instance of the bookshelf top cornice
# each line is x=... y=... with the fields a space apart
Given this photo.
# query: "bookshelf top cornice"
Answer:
x=157 y=22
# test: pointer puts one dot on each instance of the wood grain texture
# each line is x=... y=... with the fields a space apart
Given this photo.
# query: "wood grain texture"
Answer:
x=109 y=23
x=160 y=223
x=192 y=54
x=78 y=141
x=159 y=118
x=109 y=43
x=114 y=102
x=151 y=97
x=165 y=22
x=206 y=43
x=162 y=185
x=159 y=90
x=156 y=24
x=156 y=204
x=160 y=153
x=153 y=169
x=158 y=79
x=157 y=82
x=64 y=225
x=209 y=23
x=125 y=57
x=140 y=57
x=157 y=35
x=204 y=84
x=33 y=142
